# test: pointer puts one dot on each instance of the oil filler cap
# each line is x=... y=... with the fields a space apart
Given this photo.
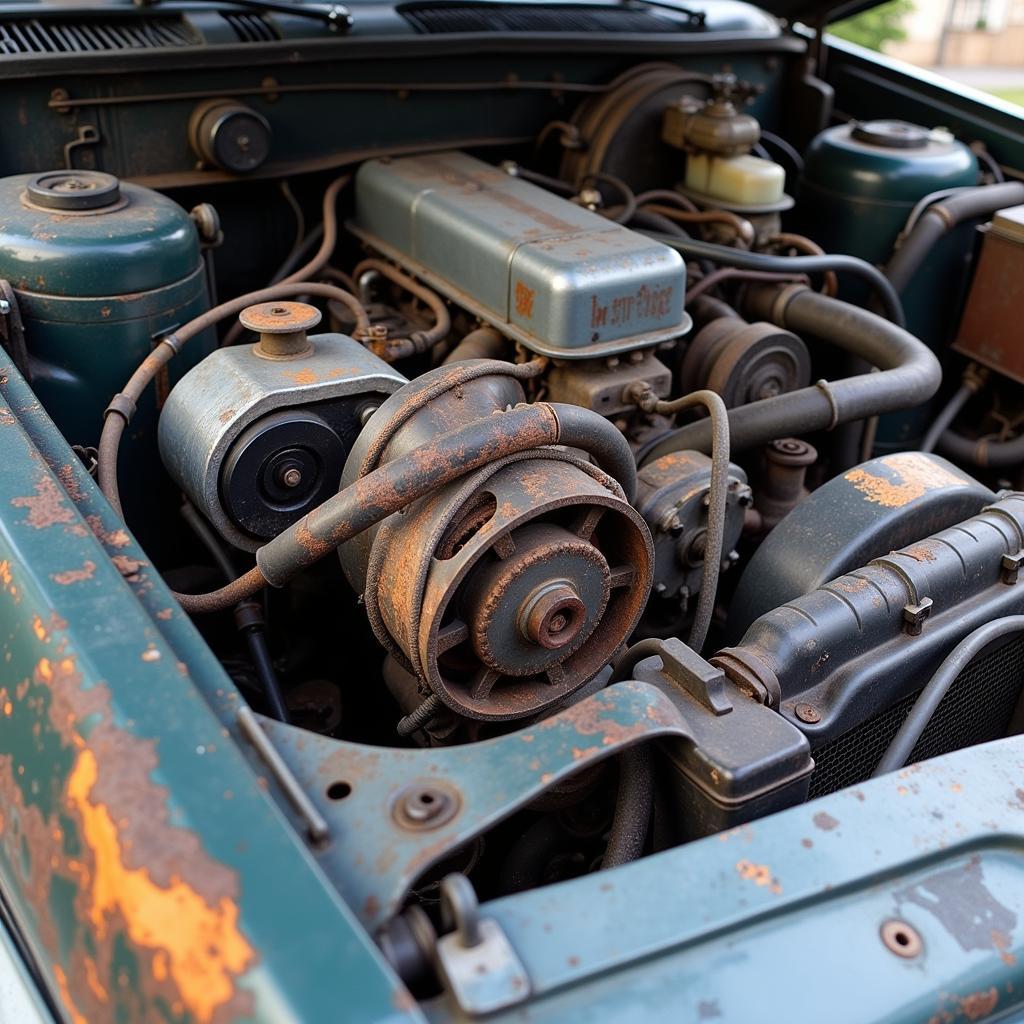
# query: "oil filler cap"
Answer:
x=73 y=190
x=891 y=134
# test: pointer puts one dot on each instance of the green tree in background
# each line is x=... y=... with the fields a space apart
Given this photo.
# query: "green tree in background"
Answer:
x=877 y=26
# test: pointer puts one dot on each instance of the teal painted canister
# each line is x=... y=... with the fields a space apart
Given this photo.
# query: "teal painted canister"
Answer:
x=101 y=269
x=861 y=180
x=860 y=183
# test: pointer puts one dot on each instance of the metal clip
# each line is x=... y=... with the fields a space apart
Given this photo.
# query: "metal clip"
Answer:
x=476 y=960
x=702 y=681
x=914 y=616
x=1010 y=566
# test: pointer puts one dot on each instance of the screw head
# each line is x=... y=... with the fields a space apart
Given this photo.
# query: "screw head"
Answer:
x=291 y=477
x=807 y=713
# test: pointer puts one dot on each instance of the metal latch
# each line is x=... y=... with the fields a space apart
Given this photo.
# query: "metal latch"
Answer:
x=476 y=960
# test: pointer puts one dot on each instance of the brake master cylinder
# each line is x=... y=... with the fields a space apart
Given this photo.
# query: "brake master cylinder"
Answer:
x=509 y=589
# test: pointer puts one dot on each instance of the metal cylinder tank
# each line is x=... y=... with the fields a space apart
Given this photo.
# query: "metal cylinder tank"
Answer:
x=100 y=270
x=860 y=183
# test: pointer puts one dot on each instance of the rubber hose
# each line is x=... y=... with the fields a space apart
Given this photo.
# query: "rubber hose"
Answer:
x=949 y=413
x=984 y=453
x=633 y=804
x=744 y=260
x=909 y=375
x=483 y=343
x=941 y=218
x=902 y=746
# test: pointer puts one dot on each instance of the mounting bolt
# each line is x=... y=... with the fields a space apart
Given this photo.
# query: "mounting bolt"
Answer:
x=291 y=477
x=424 y=805
x=807 y=713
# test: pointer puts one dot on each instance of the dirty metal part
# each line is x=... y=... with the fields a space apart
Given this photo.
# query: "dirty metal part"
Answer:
x=141 y=780
x=880 y=505
x=555 y=277
x=492 y=779
x=744 y=362
x=807 y=712
x=257 y=442
x=840 y=866
x=282 y=328
x=72 y=192
x=604 y=384
x=229 y=135
x=506 y=590
x=425 y=805
x=990 y=329
x=716 y=126
x=316 y=828
x=901 y=938
x=866 y=640
x=781 y=487
x=673 y=499
x=476 y=961
x=12 y=330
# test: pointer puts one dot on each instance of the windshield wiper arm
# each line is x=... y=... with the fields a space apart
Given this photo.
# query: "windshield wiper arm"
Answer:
x=337 y=16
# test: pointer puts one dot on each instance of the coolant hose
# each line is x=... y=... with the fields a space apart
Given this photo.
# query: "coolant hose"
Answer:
x=909 y=375
x=984 y=453
x=888 y=296
x=902 y=746
x=393 y=486
x=943 y=217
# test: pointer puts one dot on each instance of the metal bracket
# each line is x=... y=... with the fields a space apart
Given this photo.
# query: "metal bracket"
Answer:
x=12 y=331
x=1010 y=566
x=476 y=960
x=87 y=135
x=383 y=834
x=702 y=681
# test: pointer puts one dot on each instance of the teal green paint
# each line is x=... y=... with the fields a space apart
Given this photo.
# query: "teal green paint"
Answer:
x=63 y=913
x=313 y=961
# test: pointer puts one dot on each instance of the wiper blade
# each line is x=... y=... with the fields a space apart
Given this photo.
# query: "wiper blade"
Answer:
x=337 y=16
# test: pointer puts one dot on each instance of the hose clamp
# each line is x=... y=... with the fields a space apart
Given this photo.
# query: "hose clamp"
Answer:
x=122 y=406
x=826 y=389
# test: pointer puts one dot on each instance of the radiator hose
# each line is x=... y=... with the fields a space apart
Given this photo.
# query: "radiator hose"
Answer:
x=909 y=374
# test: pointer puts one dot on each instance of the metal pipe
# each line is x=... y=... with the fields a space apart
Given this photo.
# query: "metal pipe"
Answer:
x=909 y=374
x=949 y=413
x=902 y=746
x=484 y=343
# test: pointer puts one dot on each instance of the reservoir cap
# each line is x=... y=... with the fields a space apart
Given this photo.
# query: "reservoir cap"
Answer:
x=73 y=190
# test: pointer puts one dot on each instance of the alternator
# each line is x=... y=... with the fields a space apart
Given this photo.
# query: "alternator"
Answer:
x=509 y=589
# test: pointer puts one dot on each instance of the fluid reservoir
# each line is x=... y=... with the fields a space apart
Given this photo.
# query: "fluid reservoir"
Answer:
x=101 y=270
x=860 y=183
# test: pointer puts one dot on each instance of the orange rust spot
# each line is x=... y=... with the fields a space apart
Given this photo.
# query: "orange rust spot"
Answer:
x=150 y=654
x=93 y=980
x=65 y=996
x=759 y=874
x=978 y=1005
x=5 y=573
x=112 y=538
x=202 y=944
x=8 y=708
x=38 y=628
x=46 y=507
x=306 y=376
x=914 y=474
x=75 y=575
x=524 y=300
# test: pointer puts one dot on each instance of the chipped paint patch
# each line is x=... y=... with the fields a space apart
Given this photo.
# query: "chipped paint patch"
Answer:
x=75 y=575
x=201 y=943
x=760 y=874
x=46 y=507
x=912 y=475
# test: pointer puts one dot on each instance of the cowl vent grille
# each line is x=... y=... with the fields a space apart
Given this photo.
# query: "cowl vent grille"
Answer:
x=250 y=28
x=497 y=18
x=93 y=34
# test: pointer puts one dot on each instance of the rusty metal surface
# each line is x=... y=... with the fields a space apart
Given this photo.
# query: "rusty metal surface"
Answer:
x=936 y=847
x=379 y=849
x=141 y=857
x=990 y=328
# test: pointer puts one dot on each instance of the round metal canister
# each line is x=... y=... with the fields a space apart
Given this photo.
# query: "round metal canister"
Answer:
x=862 y=179
x=101 y=270
x=860 y=182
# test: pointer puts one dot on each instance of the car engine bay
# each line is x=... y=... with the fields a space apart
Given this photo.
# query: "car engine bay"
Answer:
x=637 y=461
